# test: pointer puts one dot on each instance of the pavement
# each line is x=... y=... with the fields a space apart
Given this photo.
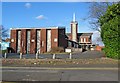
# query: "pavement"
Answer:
x=78 y=55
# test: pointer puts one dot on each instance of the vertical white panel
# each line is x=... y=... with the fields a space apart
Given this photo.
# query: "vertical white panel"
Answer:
x=81 y=40
x=74 y=36
x=38 y=41
x=18 y=41
x=84 y=40
x=28 y=41
x=48 y=40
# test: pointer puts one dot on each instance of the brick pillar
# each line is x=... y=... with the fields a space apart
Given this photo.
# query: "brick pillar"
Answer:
x=23 y=40
x=43 y=40
x=54 y=37
x=14 y=39
x=86 y=39
x=33 y=41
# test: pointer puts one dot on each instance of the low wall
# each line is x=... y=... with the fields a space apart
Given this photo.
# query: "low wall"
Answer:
x=77 y=49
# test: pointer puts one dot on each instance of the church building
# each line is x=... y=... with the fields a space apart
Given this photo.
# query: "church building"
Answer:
x=32 y=40
x=75 y=39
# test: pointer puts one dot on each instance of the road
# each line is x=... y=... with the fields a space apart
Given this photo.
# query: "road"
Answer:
x=60 y=74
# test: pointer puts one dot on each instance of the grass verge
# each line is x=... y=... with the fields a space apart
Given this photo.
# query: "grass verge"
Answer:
x=37 y=62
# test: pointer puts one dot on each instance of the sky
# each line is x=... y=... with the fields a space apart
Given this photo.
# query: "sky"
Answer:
x=45 y=14
x=0 y=13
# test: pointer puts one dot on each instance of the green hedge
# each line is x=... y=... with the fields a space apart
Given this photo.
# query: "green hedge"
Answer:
x=110 y=23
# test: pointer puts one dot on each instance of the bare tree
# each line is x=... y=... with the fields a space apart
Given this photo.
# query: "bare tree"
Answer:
x=3 y=34
x=96 y=10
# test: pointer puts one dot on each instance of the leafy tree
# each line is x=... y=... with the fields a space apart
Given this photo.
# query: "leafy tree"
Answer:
x=110 y=23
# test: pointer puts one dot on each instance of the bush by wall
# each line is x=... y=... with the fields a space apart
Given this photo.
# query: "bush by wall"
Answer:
x=57 y=50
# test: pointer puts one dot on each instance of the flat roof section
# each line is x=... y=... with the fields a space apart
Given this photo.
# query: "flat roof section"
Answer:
x=58 y=27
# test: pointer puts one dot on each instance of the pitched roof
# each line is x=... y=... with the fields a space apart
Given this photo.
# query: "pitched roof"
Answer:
x=84 y=34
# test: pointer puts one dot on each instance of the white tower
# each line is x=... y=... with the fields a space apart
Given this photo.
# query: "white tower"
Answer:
x=74 y=28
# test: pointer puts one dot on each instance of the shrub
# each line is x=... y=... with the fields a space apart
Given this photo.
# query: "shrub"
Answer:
x=110 y=23
x=57 y=50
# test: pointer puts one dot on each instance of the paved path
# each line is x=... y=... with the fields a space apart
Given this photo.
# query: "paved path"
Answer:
x=59 y=74
x=79 y=55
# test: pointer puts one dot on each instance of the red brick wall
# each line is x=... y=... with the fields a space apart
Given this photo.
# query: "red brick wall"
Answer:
x=13 y=36
x=86 y=39
x=43 y=39
x=24 y=39
x=33 y=44
x=54 y=34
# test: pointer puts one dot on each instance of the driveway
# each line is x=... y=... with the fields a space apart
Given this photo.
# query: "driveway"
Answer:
x=88 y=55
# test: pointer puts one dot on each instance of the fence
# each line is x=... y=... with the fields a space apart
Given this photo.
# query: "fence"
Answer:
x=35 y=56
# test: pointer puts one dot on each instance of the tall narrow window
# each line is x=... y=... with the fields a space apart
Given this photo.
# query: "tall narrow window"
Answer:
x=84 y=40
x=28 y=41
x=81 y=40
x=48 y=40
x=38 y=41
x=18 y=41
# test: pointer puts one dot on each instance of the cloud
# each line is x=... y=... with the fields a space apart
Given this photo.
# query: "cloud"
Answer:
x=28 y=5
x=40 y=17
x=96 y=34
